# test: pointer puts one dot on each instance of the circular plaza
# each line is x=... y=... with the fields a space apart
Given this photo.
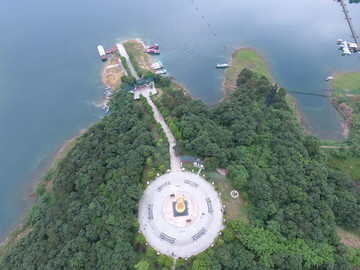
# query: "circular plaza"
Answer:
x=180 y=214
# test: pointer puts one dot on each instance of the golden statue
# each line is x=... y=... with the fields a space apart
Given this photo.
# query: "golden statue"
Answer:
x=180 y=205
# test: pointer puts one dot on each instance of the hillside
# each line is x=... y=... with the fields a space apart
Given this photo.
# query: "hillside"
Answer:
x=88 y=219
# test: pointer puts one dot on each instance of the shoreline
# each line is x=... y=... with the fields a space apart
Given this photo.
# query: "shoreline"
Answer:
x=340 y=83
x=18 y=229
x=228 y=83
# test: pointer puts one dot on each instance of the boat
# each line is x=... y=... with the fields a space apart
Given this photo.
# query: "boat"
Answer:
x=107 y=111
x=329 y=78
x=164 y=71
x=157 y=65
x=152 y=51
x=102 y=53
x=155 y=46
x=222 y=65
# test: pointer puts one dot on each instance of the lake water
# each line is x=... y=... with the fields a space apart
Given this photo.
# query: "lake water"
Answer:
x=50 y=73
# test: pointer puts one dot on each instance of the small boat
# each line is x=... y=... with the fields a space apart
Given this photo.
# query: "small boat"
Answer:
x=164 y=71
x=222 y=65
x=107 y=88
x=157 y=65
x=104 y=106
x=155 y=46
x=329 y=78
x=152 y=51
x=107 y=111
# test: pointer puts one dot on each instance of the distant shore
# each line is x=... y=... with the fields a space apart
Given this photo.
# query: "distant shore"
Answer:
x=244 y=57
x=345 y=88
x=20 y=230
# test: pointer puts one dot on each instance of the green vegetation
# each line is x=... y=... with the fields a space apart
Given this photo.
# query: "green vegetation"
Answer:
x=350 y=165
x=135 y=64
x=294 y=202
x=291 y=193
x=124 y=63
x=244 y=58
x=346 y=83
x=88 y=222
x=135 y=48
x=130 y=80
x=346 y=90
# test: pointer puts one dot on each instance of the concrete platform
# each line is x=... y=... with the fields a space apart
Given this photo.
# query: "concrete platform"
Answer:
x=180 y=236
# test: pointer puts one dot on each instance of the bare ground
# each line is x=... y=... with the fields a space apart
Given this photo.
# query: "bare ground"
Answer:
x=347 y=112
x=112 y=76
x=348 y=238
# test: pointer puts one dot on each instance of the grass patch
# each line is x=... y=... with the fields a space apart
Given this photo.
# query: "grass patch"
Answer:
x=349 y=237
x=136 y=48
x=234 y=208
x=13 y=238
x=350 y=165
x=244 y=58
x=346 y=83
x=333 y=143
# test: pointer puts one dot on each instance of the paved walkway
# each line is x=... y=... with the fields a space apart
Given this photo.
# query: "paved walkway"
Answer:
x=123 y=53
x=200 y=230
x=174 y=160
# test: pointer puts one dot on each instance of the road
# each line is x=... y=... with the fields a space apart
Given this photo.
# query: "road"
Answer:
x=123 y=53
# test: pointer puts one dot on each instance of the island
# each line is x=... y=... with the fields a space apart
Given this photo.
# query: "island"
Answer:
x=279 y=200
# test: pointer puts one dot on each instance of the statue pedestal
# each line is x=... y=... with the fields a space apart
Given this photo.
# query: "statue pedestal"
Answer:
x=180 y=214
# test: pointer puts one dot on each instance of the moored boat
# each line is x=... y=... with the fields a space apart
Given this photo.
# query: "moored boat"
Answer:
x=155 y=46
x=222 y=65
x=164 y=71
x=152 y=51
x=157 y=65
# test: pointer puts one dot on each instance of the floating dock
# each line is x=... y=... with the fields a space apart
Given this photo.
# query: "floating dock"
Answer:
x=102 y=53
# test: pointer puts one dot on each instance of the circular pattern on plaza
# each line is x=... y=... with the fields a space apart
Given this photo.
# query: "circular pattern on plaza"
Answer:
x=180 y=214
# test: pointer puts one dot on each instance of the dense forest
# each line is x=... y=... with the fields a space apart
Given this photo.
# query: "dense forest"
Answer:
x=87 y=220
x=294 y=199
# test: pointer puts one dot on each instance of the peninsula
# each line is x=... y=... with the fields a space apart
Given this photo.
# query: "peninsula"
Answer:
x=99 y=210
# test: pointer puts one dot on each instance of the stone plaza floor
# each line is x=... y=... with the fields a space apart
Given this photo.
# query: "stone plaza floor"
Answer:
x=180 y=235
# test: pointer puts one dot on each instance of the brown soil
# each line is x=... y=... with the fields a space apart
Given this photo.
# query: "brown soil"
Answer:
x=14 y=237
x=348 y=238
x=112 y=76
x=347 y=112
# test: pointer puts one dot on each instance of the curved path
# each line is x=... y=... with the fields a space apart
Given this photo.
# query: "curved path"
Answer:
x=123 y=53
x=186 y=234
x=174 y=160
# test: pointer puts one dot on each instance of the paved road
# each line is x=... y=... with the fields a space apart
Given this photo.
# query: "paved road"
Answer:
x=174 y=160
x=123 y=53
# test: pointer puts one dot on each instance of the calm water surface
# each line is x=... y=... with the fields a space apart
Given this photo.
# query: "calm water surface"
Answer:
x=50 y=71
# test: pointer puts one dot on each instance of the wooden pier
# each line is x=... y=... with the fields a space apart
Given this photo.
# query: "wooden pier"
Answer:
x=349 y=20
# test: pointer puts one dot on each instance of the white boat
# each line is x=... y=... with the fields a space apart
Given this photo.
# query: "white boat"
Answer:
x=164 y=71
x=157 y=65
x=329 y=78
x=222 y=65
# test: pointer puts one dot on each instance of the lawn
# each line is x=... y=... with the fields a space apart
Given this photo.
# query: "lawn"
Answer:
x=350 y=165
x=136 y=48
x=346 y=82
x=234 y=208
x=244 y=58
